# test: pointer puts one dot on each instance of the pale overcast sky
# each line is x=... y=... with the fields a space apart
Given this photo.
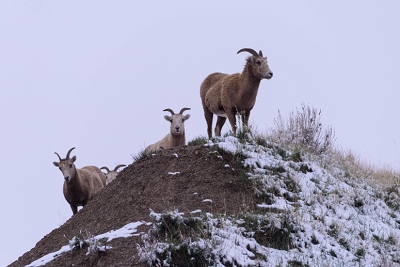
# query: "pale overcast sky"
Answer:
x=96 y=75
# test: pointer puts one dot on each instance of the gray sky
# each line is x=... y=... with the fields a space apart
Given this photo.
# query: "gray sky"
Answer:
x=97 y=74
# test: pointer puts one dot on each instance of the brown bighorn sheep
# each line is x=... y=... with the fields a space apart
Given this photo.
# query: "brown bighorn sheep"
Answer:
x=111 y=175
x=176 y=137
x=80 y=185
x=227 y=95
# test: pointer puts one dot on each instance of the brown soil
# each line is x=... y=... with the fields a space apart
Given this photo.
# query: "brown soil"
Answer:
x=146 y=185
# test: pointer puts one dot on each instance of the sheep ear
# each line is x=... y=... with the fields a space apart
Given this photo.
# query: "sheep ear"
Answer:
x=73 y=158
x=260 y=53
x=56 y=164
x=186 y=117
x=168 y=118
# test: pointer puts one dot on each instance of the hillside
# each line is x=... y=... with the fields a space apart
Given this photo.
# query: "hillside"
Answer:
x=234 y=202
x=142 y=186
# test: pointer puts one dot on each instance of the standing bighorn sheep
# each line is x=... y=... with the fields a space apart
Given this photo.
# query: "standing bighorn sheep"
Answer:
x=176 y=137
x=227 y=95
x=80 y=185
x=111 y=175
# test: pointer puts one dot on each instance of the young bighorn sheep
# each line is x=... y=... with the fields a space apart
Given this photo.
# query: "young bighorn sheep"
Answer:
x=176 y=137
x=227 y=95
x=80 y=185
x=111 y=175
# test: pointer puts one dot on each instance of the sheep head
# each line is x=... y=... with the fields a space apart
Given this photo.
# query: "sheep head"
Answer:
x=258 y=64
x=66 y=166
x=177 y=121
x=111 y=175
x=115 y=169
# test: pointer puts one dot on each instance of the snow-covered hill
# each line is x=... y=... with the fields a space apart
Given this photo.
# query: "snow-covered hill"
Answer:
x=312 y=210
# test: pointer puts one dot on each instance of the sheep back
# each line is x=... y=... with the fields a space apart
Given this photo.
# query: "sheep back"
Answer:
x=167 y=142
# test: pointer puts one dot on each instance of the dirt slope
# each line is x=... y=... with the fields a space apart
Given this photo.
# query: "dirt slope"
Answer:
x=146 y=185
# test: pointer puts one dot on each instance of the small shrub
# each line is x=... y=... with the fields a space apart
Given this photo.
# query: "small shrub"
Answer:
x=333 y=230
x=201 y=140
x=360 y=252
x=79 y=240
x=85 y=239
x=269 y=234
x=343 y=242
x=296 y=156
x=140 y=155
x=358 y=202
x=304 y=129
x=294 y=263
x=314 y=240
x=362 y=235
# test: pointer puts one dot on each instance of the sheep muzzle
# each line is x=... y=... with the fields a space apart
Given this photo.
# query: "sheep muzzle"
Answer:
x=269 y=75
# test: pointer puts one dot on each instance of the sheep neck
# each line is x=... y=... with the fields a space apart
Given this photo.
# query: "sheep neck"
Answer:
x=248 y=86
x=74 y=186
x=177 y=140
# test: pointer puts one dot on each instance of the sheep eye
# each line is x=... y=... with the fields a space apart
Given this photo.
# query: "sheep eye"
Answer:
x=70 y=165
x=258 y=62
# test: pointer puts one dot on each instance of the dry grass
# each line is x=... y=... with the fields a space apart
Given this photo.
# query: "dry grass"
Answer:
x=354 y=165
x=303 y=131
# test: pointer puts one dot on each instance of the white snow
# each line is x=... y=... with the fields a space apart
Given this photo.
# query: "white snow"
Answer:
x=195 y=211
x=126 y=231
x=334 y=220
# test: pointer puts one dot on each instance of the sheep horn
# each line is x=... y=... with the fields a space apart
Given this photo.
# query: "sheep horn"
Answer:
x=182 y=110
x=105 y=168
x=69 y=151
x=251 y=51
x=170 y=110
x=58 y=156
x=119 y=166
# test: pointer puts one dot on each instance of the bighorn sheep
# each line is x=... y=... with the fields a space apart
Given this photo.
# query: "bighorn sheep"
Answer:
x=111 y=175
x=176 y=137
x=80 y=185
x=227 y=95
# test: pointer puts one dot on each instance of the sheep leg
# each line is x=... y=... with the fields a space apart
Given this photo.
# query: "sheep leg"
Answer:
x=218 y=127
x=232 y=120
x=209 y=118
x=73 y=208
x=245 y=118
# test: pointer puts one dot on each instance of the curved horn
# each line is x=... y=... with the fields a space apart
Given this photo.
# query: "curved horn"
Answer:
x=119 y=166
x=182 y=110
x=69 y=151
x=251 y=51
x=170 y=110
x=105 y=168
x=58 y=156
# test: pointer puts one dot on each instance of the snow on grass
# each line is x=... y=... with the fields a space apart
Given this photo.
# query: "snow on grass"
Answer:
x=325 y=217
x=310 y=213
x=126 y=231
x=345 y=218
